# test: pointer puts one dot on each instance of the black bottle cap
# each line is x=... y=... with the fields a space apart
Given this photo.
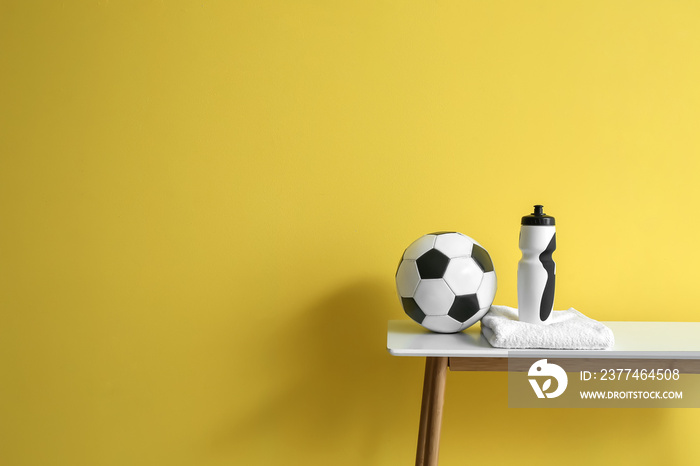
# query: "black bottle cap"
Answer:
x=538 y=217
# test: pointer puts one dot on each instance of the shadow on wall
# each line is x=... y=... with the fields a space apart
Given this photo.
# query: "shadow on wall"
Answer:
x=345 y=401
x=571 y=436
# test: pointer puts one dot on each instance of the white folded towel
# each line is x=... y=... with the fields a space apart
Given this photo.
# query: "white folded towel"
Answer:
x=564 y=330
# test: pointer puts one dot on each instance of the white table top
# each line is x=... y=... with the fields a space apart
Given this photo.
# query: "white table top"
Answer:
x=633 y=340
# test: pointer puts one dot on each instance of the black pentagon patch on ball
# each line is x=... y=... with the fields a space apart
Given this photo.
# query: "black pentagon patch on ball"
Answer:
x=432 y=264
x=464 y=307
x=482 y=258
x=412 y=310
x=438 y=233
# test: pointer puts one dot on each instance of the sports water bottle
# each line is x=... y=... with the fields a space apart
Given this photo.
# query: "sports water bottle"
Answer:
x=536 y=269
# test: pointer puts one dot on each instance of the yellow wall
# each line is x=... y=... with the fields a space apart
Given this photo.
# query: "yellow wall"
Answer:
x=202 y=205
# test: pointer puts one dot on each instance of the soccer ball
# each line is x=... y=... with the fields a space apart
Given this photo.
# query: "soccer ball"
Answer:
x=446 y=281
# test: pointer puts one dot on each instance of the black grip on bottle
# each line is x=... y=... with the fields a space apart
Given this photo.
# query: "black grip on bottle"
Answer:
x=548 y=264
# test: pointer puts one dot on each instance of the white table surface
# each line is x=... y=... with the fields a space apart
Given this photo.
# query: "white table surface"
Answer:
x=633 y=340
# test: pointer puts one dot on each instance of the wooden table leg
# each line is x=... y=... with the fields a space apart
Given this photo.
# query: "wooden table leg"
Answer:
x=431 y=411
x=424 y=409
